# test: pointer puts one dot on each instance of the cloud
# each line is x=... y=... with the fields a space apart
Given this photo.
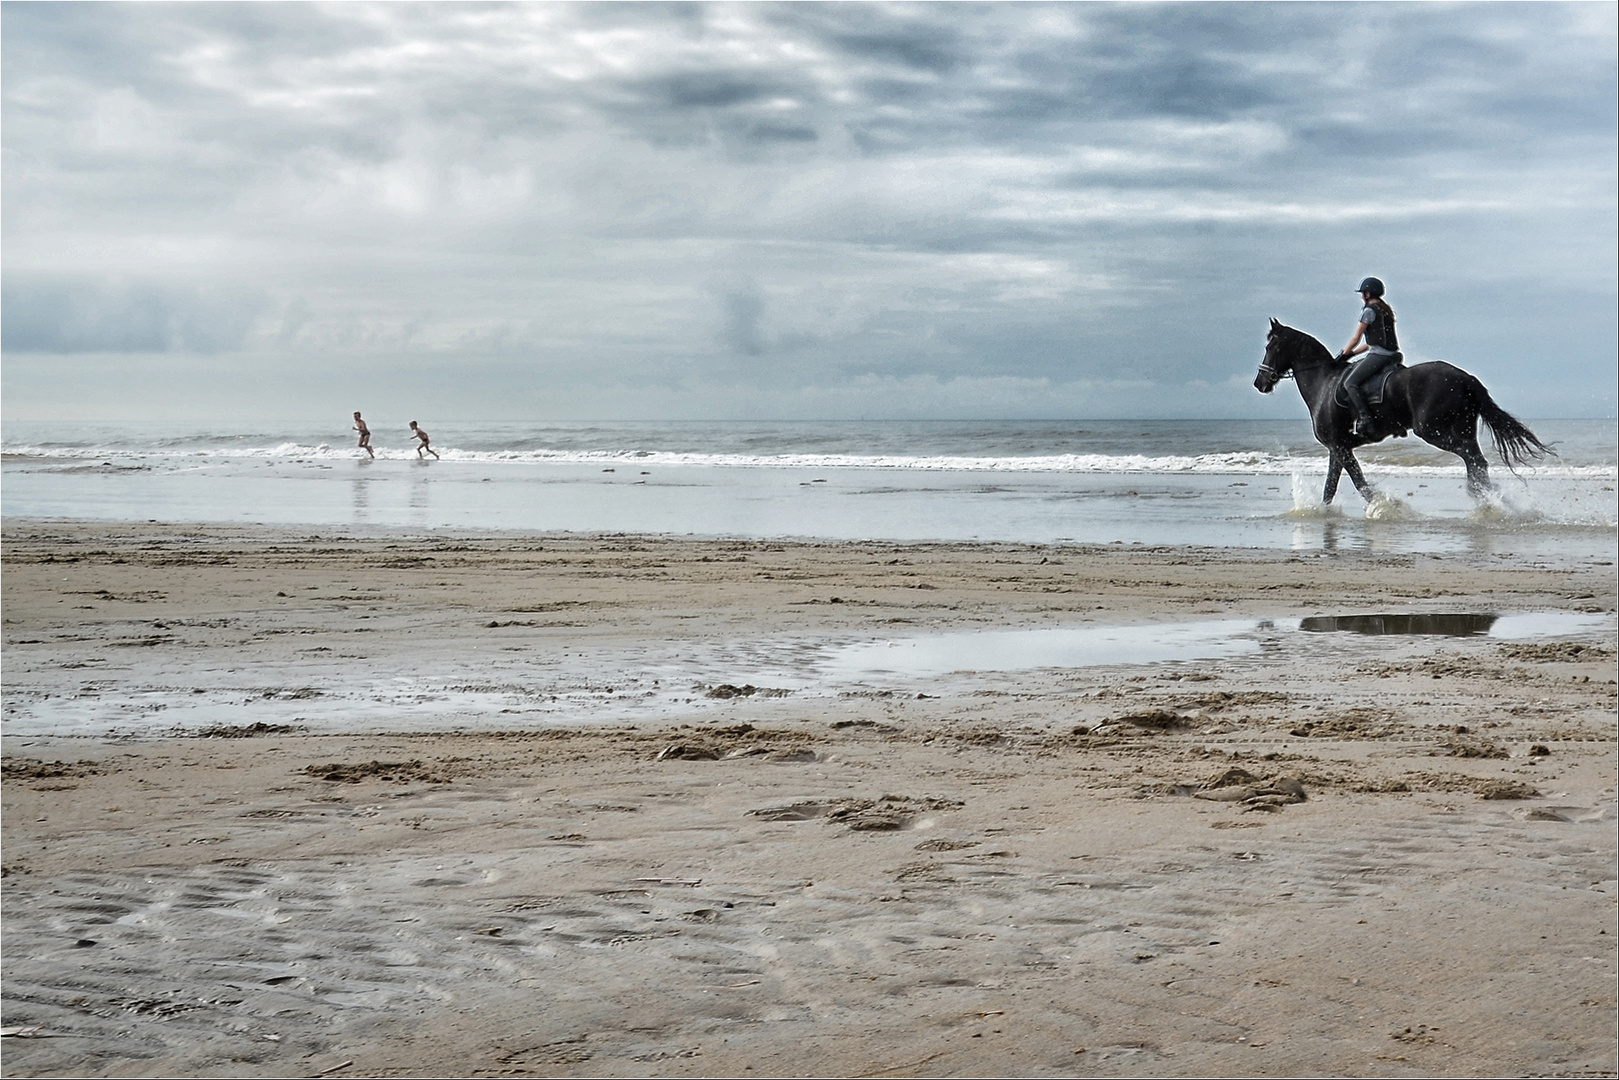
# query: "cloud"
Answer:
x=95 y=317
x=821 y=197
x=743 y=329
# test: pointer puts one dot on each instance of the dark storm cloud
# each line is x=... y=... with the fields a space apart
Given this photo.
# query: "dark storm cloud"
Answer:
x=917 y=37
x=946 y=208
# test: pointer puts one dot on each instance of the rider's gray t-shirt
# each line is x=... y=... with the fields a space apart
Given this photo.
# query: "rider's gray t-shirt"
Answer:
x=1370 y=317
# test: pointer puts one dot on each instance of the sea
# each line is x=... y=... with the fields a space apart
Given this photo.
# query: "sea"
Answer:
x=1224 y=484
x=1227 y=483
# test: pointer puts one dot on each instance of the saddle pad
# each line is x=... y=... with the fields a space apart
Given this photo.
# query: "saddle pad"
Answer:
x=1374 y=388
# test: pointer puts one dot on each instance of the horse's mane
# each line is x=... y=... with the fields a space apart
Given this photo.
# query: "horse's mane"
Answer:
x=1303 y=343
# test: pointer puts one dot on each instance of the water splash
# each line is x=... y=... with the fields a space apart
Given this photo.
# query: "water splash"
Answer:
x=1386 y=507
x=1307 y=504
x=1501 y=506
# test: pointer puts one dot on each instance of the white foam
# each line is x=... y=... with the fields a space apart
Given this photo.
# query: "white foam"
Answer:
x=1233 y=463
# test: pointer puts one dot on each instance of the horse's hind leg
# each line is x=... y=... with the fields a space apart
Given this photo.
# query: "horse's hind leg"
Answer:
x=1465 y=446
x=1478 y=469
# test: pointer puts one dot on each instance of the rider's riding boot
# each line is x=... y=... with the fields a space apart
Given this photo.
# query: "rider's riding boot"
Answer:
x=1363 y=408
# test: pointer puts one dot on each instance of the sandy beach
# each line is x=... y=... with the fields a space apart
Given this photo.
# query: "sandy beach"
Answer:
x=1329 y=854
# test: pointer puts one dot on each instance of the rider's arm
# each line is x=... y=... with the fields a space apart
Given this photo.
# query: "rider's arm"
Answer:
x=1355 y=345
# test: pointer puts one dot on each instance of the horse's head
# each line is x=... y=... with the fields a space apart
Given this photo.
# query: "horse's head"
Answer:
x=1278 y=359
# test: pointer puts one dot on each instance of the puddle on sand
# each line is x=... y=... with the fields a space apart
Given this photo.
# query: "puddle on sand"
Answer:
x=1526 y=625
x=1448 y=625
x=591 y=688
x=1096 y=646
x=1024 y=650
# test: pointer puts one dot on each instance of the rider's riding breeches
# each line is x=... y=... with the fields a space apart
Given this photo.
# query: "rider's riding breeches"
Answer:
x=1361 y=373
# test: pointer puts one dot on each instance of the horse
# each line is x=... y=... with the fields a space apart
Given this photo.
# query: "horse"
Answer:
x=1440 y=403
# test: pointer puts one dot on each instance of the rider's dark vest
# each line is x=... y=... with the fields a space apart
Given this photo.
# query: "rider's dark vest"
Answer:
x=1381 y=332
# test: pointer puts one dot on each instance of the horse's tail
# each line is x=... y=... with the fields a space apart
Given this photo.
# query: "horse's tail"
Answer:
x=1513 y=440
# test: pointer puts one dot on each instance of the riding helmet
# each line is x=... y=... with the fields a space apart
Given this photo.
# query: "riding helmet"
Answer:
x=1371 y=285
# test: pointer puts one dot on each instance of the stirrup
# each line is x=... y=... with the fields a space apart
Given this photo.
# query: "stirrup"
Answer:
x=1363 y=425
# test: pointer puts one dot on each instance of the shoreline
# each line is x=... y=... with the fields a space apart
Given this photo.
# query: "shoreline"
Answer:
x=1040 y=871
x=1557 y=517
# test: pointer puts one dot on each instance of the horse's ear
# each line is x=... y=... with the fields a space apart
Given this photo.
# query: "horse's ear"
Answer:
x=1274 y=324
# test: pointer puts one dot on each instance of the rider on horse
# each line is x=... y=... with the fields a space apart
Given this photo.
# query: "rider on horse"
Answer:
x=1382 y=349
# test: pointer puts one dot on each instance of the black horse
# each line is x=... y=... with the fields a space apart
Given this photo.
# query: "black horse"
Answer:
x=1442 y=404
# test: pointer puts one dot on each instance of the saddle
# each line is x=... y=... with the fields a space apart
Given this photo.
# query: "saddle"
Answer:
x=1374 y=388
x=1374 y=397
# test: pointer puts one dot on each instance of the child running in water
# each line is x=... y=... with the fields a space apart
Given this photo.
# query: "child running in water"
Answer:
x=427 y=444
x=365 y=435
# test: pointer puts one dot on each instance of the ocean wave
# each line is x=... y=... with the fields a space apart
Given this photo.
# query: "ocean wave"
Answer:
x=1236 y=463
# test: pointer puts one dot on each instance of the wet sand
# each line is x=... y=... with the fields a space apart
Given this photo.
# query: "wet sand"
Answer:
x=1336 y=855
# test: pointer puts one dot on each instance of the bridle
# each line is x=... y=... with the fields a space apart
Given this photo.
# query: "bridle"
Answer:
x=1276 y=376
x=1264 y=365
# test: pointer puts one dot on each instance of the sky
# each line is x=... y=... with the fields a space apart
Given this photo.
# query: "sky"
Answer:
x=792 y=211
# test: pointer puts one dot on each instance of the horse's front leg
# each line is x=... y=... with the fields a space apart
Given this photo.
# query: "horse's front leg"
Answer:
x=1334 y=470
x=1347 y=457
